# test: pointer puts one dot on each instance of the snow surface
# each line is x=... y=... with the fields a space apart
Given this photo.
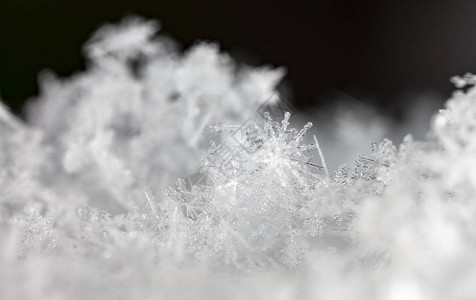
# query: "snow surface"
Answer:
x=89 y=208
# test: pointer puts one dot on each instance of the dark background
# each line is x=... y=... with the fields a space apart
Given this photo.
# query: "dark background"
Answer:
x=375 y=51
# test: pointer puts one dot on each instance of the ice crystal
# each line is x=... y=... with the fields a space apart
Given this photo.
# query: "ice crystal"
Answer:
x=255 y=228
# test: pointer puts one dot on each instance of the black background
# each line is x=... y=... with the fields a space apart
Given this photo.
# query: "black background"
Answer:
x=373 y=50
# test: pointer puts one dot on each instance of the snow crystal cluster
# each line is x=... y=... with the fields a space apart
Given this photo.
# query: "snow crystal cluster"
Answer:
x=151 y=176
